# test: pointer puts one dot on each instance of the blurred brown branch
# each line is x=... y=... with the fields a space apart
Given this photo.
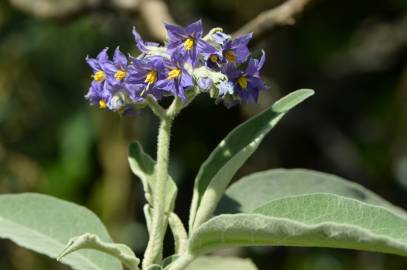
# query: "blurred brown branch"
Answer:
x=283 y=14
x=154 y=12
x=49 y=9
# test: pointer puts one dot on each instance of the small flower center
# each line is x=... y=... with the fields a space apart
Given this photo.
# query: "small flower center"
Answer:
x=120 y=75
x=242 y=81
x=151 y=77
x=99 y=76
x=189 y=43
x=174 y=73
x=230 y=56
x=213 y=58
x=102 y=104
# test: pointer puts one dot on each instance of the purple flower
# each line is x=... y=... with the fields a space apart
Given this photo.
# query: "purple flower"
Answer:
x=116 y=70
x=236 y=50
x=100 y=89
x=144 y=74
x=142 y=45
x=188 y=41
x=177 y=77
x=214 y=60
x=99 y=74
x=98 y=95
x=247 y=83
x=204 y=84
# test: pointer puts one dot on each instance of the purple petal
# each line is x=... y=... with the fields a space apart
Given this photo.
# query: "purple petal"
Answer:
x=102 y=56
x=139 y=41
x=174 y=32
x=262 y=60
x=195 y=29
x=205 y=83
x=119 y=58
x=193 y=56
x=108 y=67
x=186 y=80
x=141 y=44
x=242 y=40
x=93 y=63
x=204 y=47
x=167 y=85
x=242 y=53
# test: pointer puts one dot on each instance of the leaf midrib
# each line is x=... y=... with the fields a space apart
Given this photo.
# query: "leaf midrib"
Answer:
x=368 y=233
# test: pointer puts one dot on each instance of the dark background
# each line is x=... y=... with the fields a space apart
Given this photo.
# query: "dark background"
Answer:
x=353 y=53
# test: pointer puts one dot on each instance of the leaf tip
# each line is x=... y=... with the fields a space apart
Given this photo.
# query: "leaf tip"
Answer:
x=291 y=100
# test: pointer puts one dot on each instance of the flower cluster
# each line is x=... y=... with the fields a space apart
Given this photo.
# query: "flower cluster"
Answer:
x=214 y=63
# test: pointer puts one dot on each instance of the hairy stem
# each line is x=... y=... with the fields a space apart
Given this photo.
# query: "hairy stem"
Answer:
x=155 y=107
x=158 y=224
x=159 y=220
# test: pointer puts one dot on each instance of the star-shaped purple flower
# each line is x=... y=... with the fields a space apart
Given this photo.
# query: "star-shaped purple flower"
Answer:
x=100 y=89
x=144 y=74
x=247 y=83
x=188 y=41
x=99 y=95
x=236 y=50
x=177 y=77
x=116 y=70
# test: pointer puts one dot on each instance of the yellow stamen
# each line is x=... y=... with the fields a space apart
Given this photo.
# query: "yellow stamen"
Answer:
x=214 y=58
x=189 y=43
x=230 y=56
x=99 y=76
x=174 y=73
x=102 y=104
x=151 y=77
x=120 y=75
x=242 y=81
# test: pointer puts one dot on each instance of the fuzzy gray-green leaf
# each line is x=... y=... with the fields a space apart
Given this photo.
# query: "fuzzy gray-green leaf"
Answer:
x=45 y=224
x=259 y=188
x=92 y=241
x=312 y=220
x=221 y=263
x=217 y=171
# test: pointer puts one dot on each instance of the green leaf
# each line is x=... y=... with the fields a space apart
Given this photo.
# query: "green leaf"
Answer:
x=221 y=263
x=155 y=267
x=169 y=260
x=142 y=165
x=91 y=241
x=312 y=220
x=45 y=224
x=259 y=188
x=179 y=233
x=217 y=171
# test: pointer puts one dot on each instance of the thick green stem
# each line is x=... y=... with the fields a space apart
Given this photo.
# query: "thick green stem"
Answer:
x=157 y=231
x=159 y=222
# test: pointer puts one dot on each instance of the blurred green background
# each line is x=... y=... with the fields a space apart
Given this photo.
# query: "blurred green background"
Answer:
x=353 y=53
